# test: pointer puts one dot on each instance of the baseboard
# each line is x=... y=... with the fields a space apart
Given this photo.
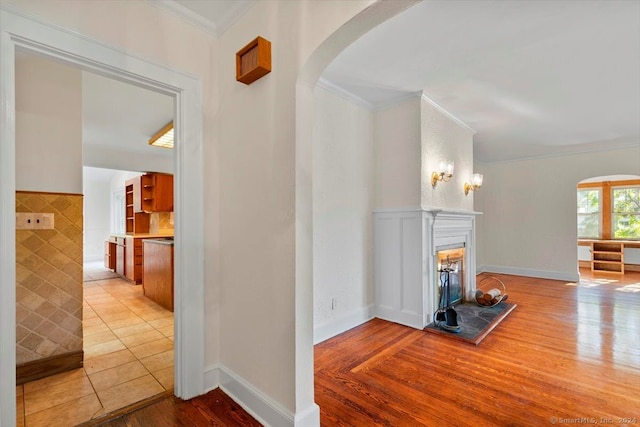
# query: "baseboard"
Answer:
x=342 y=324
x=407 y=319
x=252 y=400
x=34 y=370
x=528 y=272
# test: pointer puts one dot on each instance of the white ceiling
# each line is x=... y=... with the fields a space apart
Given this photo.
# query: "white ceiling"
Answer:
x=532 y=78
x=121 y=116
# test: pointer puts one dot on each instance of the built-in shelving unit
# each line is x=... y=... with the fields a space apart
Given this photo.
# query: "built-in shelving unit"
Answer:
x=607 y=257
x=129 y=208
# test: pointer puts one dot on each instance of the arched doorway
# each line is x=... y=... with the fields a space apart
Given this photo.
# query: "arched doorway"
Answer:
x=307 y=412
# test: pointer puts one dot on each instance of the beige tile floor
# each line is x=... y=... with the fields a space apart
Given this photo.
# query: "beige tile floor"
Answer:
x=128 y=357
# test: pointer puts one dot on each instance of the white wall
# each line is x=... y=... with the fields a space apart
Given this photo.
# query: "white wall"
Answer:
x=444 y=138
x=529 y=224
x=257 y=184
x=97 y=217
x=343 y=193
x=48 y=126
x=398 y=158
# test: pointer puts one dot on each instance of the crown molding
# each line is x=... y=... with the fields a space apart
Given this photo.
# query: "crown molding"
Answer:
x=431 y=102
x=343 y=93
x=187 y=15
x=200 y=21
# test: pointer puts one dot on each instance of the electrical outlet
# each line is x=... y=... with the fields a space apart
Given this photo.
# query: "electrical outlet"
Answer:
x=334 y=303
x=24 y=220
x=43 y=221
x=34 y=221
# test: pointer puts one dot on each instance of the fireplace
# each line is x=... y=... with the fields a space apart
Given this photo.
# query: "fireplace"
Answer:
x=407 y=247
x=451 y=263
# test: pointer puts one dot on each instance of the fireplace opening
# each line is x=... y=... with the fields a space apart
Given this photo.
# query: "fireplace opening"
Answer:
x=451 y=259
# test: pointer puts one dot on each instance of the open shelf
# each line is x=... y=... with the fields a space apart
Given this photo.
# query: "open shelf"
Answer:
x=607 y=257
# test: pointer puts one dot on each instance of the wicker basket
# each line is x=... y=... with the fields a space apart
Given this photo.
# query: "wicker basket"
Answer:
x=490 y=291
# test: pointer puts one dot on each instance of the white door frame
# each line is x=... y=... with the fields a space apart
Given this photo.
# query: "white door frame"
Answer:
x=35 y=36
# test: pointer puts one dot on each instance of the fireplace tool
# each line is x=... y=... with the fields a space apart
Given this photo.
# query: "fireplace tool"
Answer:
x=446 y=317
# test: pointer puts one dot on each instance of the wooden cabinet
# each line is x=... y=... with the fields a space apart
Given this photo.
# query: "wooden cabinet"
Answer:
x=607 y=257
x=136 y=220
x=133 y=259
x=158 y=271
x=151 y=192
x=120 y=255
x=156 y=192
x=110 y=254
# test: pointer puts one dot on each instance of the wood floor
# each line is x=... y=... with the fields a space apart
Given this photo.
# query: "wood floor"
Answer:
x=568 y=354
x=213 y=409
x=567 y=351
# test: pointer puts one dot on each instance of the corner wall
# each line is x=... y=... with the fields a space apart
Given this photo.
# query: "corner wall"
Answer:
x=529 y=226
x=343 y=193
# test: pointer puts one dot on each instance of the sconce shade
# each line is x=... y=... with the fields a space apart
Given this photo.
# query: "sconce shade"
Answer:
x=444 y=173
x=476 y=182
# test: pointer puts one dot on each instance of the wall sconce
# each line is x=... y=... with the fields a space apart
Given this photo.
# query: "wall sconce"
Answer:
x=476 y=182
x=444 y=173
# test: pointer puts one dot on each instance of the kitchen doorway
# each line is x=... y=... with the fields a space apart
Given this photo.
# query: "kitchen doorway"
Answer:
x=21 y=33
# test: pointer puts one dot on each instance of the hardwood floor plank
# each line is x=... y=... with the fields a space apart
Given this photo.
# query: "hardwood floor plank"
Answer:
x=212 y=409
x=567 y=351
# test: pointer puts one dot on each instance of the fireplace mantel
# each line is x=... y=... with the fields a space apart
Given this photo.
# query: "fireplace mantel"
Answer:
x=405 y=246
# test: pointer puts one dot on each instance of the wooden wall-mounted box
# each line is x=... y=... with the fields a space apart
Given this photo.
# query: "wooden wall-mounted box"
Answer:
x=253 y=61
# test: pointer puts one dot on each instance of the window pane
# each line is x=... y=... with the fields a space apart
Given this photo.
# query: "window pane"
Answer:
x=589 y=226
x=588 y=201
x=625 y=220
x=626 y=200
x=626 y=226
x=589 y=214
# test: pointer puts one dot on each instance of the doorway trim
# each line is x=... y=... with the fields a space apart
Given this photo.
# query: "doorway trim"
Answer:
x=35 y=36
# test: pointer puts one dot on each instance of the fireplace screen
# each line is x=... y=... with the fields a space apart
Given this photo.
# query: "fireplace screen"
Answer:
x=453 y=261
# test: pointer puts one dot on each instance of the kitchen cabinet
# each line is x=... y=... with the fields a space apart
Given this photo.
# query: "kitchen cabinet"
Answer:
x=110 y=254
x=156 y=192
x=158 y=271
x=133 y=259
x=120 y=255
x=151 y=192
x=137 y=221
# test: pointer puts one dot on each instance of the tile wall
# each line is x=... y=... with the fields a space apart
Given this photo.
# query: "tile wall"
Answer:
x=161 y=223
x=49 y=278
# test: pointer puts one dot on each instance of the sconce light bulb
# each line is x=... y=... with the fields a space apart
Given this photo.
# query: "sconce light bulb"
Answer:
x=449 y=170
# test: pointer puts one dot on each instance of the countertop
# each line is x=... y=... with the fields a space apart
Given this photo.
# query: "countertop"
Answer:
x=162 y=241
x=144 y=235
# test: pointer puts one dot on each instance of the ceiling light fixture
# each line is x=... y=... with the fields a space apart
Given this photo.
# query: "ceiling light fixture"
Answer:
x=476 y=182
x=164 y=137
x=444 y=173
